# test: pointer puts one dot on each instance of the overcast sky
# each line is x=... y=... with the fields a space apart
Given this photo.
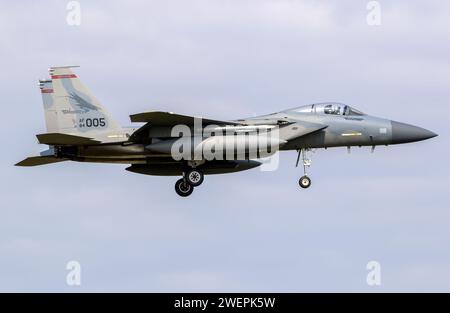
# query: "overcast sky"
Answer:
x=250 y=231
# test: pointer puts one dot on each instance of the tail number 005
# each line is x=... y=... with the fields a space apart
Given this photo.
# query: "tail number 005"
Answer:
x=95 y=122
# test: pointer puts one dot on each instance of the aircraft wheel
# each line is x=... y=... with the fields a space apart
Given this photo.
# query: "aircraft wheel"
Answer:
x=183 y=188
x=304 y=182
x=194 y=177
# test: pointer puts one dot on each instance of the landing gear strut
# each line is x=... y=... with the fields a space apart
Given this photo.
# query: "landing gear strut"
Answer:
x=191 y=178
x=304 y=181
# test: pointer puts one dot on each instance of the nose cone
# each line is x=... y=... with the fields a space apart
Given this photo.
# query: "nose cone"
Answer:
x=403 y=133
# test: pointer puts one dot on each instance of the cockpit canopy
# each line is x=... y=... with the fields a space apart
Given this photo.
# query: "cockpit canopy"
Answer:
x=331 y=108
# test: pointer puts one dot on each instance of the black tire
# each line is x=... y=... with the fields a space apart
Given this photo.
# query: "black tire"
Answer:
x=183 y=188
x=304 y=182
x=194 y=177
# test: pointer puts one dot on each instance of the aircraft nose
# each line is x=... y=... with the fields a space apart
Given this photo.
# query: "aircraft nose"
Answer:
x=403 y=133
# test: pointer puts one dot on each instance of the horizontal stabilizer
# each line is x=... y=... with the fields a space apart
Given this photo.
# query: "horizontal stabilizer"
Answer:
x=40 y=160
x=65 y=139
x=171 y=119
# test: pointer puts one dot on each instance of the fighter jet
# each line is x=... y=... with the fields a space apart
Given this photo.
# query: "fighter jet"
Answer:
x=80 y=129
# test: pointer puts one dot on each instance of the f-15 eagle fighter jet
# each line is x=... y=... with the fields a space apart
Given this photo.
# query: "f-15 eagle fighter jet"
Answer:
x=80 y=129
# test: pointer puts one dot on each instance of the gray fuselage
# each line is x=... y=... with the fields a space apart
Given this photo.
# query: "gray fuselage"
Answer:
x=343 y=127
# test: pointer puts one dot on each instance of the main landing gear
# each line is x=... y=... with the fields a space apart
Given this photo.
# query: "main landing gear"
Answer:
x=304 y=181
x=191 y=178
x=194 y=177
x=183 y=188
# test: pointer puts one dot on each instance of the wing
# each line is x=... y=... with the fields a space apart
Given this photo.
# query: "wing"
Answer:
x=65 y=139
x=39 y=160
x=167 y=120
x=171 y=119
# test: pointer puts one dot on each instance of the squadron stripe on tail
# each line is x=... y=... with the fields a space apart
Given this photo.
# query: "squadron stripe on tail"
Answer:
x=64 y=76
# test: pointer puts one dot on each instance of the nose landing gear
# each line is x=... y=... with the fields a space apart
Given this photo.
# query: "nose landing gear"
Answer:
x=304 y=181
x=192 y=178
